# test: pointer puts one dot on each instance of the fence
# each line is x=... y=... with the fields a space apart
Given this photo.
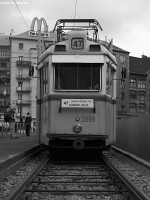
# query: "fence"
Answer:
x=133 y=134
x=20 y=129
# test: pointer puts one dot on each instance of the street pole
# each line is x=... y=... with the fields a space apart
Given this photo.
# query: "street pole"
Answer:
x=20 y=116
x=5 y=92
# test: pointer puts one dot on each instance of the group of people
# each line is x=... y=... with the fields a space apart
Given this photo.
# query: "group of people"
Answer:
x=10 y=118
x=4 y=126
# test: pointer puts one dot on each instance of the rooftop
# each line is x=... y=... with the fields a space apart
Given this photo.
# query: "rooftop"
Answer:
x=139 y=65
x=26 y=36
x=4 y=40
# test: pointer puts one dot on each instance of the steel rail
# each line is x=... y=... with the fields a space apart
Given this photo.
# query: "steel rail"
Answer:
x=132 y=187
x=14 y=195
x=9 y=166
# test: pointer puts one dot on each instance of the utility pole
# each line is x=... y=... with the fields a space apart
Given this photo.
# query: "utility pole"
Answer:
x=39 y=51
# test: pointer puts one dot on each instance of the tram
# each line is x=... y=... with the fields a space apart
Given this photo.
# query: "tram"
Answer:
x=76 y=98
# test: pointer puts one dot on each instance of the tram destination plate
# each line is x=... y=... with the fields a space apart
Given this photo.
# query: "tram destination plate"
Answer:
x=77 y=103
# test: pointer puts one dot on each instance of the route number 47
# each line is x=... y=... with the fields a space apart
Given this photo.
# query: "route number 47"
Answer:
x=77 y=43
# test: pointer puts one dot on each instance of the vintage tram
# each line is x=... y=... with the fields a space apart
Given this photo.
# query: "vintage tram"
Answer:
x=76 y=97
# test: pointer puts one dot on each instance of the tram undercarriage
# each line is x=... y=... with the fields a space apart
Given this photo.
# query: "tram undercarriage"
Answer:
x=77 y=142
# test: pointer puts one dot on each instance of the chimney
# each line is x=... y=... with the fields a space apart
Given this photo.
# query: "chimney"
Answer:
x=144 y=56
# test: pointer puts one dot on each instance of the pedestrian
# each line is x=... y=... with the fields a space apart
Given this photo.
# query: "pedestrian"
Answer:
x=9 y=117
x=28 y=120
x=34 y=127
x=1 y=127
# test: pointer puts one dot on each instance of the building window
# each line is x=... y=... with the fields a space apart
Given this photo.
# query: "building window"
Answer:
x=123 y=109
x=122 y=96
x=141 y=108
x=20 y=58
x=20 y=83
x=133 y=95
x=133 y=83
x=122 y=59
x=19 y=96
x=20 y=72
x=3 y=53
x=133 y=108
x=122 y=83
x=141 y=84
x=3 y=65
x=20 y=46
x=19 y=109
x=141 y=96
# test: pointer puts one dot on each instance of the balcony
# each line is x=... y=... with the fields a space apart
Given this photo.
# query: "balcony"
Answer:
x=23 y=76
x=23 y=63
x=23 y=89
x=7 y=57
x=23 y=102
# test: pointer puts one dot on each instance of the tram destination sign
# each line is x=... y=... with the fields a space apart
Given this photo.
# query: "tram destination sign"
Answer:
x=77 y=103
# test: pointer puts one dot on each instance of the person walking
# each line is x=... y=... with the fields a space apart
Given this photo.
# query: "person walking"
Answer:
x=11 y=120
x=28 y=120
x=1 y=128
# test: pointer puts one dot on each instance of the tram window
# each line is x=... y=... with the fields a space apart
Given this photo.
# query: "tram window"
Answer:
x=81 y=76
x=109 y=78
x=44 y=80
x=65 y=76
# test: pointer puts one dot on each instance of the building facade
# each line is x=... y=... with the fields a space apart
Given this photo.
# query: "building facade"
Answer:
x=23 y=87
x=122 y=81
x=139 y=85
x=4 y=74
x=24 y=55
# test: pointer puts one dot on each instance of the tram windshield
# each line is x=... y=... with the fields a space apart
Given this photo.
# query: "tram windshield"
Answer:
x=77 y=76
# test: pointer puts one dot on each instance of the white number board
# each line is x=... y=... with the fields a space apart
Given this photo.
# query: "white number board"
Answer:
x=77 y=103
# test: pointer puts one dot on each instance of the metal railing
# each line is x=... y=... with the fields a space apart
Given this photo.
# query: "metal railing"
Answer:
x=20 y=129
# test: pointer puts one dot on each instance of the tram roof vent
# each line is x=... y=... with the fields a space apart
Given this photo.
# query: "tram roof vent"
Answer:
x=95 y=47
x=59 y=47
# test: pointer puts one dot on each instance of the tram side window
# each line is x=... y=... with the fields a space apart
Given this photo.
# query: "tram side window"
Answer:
x=44 y=80
x=109 y=79
x=81 y=76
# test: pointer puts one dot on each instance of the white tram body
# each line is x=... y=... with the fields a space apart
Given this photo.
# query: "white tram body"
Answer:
x=76 y=105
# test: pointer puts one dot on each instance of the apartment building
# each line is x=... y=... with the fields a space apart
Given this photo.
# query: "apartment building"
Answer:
x=23 y=87
x=4 y=74
x=122 y=57
x=24 y=55
x=139 y=85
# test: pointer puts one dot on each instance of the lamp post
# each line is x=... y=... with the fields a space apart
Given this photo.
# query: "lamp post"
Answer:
x=5 y=92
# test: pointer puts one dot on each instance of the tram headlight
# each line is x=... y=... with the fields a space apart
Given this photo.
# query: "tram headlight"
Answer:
x=77 y=128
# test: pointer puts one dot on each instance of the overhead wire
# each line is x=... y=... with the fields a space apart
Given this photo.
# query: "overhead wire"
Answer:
x=21 y=15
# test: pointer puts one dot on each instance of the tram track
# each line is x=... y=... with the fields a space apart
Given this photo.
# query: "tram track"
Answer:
x=80 y=180
x=19 y=170
x=75 y=180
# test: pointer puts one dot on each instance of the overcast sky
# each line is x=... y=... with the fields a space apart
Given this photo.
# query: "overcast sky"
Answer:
x=126 y=21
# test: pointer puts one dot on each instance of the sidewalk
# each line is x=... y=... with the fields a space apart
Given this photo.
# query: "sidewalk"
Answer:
x=10 y=147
